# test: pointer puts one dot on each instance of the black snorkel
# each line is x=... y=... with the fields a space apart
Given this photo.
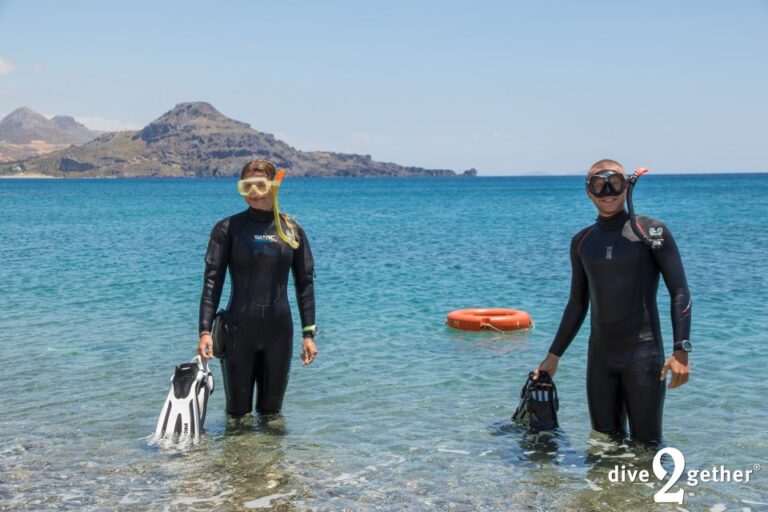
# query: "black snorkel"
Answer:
x=654 y=239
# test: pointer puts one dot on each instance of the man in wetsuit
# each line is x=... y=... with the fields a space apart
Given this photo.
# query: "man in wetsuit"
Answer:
x=616 y=275
x=259 y=260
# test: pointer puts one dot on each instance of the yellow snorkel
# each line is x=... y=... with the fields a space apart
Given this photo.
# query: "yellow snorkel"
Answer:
x=290 y=240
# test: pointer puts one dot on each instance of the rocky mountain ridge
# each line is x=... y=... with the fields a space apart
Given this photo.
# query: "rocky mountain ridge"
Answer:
x=196 y=140
x=25 y=133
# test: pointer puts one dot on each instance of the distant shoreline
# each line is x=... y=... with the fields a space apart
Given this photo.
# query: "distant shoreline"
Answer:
x=28 y=176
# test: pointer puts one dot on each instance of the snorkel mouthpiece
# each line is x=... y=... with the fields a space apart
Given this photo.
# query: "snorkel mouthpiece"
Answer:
x=655 y=241
x=290 y=240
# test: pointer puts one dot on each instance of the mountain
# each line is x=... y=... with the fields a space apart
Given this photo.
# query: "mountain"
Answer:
x=196 y=140
x=23 y=125
x=25 y=133
x=76 y=131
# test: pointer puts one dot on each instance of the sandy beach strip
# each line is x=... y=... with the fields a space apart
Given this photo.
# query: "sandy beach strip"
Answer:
x=28 y=176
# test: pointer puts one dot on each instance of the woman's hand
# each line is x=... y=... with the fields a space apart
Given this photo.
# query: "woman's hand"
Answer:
x=308 y=351
x=205 y=347
x=549 y=365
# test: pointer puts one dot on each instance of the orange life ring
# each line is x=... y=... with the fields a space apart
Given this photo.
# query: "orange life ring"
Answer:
x=476 y=319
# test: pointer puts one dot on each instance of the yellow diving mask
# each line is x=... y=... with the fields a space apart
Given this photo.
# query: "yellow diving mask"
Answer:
x=258 y=187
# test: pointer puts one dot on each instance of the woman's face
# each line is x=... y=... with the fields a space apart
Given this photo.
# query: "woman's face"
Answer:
x=258 y=203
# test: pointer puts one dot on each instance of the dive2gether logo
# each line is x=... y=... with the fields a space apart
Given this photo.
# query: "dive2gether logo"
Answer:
x=715 y=475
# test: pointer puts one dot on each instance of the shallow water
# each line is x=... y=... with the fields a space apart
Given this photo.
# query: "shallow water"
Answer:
x=100 y=282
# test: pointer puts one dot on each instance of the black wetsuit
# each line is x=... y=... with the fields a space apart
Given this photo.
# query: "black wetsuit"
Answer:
x=617 y=275
x=259 y=262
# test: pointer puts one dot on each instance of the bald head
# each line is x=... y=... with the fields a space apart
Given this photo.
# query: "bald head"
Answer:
x=605 y=163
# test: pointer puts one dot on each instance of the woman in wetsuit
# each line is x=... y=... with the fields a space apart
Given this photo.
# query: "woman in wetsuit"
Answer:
x=259 y=258
x=616 y=276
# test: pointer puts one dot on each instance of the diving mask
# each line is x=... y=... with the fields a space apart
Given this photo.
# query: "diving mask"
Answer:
x=258 y=186
x=606 y=182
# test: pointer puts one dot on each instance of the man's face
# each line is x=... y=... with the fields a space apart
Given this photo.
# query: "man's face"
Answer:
x=609 y=205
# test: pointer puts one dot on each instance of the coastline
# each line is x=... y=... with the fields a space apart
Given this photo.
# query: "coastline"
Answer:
x=28 y=176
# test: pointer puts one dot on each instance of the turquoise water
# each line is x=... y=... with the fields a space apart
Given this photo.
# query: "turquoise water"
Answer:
x=99 y=290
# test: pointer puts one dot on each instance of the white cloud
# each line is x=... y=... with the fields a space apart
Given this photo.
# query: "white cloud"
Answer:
x=6 y=66
x=39 y=68
x=107 y=125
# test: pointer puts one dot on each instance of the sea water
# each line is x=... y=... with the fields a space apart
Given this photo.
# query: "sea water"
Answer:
x=100 y=283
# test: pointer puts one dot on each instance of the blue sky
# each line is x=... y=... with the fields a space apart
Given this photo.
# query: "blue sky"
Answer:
x=506 y=87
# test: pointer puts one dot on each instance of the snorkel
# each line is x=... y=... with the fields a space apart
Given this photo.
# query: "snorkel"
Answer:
x=654 y=241
x=290 y=240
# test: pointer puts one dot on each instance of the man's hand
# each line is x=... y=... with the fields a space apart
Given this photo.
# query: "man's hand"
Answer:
x=680 y=367
x=549 y=365
x=308 y=351
x=205 y=347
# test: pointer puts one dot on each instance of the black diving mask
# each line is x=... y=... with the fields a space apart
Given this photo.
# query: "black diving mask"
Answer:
x=606 y=182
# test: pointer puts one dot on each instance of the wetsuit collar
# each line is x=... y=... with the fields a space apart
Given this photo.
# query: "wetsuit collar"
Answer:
x=260 y=215
x=614 y=221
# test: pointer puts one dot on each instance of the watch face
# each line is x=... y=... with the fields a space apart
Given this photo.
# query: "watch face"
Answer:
x=687 y=346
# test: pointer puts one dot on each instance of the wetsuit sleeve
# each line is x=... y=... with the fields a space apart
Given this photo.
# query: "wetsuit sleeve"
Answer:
x=304 y=279
x=671 y=266
x=578 y=302
x=216 y=261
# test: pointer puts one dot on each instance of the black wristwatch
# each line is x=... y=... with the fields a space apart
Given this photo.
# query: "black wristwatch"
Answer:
x=684 y=345
x=309 y=331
